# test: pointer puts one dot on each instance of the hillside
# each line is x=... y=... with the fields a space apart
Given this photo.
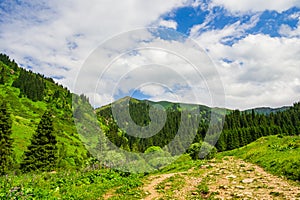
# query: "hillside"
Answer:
x=238 y=128
x=28 y=96
x=277 y=154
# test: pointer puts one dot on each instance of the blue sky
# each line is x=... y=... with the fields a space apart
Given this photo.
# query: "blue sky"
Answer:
x=253 y=44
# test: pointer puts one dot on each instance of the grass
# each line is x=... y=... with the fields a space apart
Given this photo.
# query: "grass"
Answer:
x=276 y=154
x=69 y=185
x=26 y=115
x=183 y=163
x=170 y=185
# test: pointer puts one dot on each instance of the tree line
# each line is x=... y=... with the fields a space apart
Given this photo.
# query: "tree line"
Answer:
x=242 y=128
x=238 y=129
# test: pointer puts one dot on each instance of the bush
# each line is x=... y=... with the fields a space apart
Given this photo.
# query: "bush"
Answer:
x=202 y=150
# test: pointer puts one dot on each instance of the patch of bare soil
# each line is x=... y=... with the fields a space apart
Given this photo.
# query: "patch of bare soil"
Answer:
x=153 y=182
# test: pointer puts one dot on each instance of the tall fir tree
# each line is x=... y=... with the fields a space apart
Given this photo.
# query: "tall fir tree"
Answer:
x=5 y=139
x=42 y=153
x=2 y=74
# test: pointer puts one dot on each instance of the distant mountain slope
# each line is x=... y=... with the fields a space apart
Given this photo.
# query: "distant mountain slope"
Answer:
x=240 y=127
x=268 y=110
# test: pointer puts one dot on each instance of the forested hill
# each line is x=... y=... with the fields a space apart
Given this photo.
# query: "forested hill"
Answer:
x=24 y=98
x=238 y=129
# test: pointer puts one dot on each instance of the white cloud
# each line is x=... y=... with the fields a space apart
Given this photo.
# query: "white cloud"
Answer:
x=61 y=34
x=152 y=90
x=287 y=31
x=256 y=5
x=168 y=24
x=161 y=69
x=263 y=71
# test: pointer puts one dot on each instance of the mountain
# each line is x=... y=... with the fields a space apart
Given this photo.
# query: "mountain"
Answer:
x=268 y=110
x=234 y=130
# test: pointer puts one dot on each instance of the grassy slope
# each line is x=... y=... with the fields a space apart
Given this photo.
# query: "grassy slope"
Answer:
x=278 y=155
x=26 y=115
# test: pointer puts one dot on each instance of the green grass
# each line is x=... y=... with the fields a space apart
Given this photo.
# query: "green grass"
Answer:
x=183 y=163
x=26 y=115
x=168 y=186
x=276 y=154
x=70 y=185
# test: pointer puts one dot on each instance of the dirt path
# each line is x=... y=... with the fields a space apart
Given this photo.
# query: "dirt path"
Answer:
x=230 y=178
x=154 y=181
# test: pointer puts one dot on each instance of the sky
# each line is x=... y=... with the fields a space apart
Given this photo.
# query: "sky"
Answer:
x=237 y=54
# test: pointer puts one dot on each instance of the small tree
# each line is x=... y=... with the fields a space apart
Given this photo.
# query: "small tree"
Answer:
x=202 y=150
x=42 y=152
x=5 y=139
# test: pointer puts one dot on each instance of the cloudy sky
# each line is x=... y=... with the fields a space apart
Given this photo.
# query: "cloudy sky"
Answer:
x=233 y=53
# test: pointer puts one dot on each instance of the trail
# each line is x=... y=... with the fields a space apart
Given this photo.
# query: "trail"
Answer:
x=229 y=178
x=154 y=181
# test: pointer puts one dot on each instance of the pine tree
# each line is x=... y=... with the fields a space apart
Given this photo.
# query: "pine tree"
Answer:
x=2 y=74
x=42 y=152
x=5 y=139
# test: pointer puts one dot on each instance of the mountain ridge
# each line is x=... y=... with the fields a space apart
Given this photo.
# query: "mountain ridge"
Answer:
x=259 y=110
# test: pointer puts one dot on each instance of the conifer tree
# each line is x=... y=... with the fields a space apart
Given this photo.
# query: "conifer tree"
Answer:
x=42 y=152
x=2 y=74
x=5 y=138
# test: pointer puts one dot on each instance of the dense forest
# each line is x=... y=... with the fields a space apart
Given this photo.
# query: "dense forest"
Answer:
x=239 y=128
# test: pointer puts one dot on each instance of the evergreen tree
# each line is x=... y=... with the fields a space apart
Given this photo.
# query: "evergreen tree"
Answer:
x=5 y=139
x=42 y=152
x=2 y=74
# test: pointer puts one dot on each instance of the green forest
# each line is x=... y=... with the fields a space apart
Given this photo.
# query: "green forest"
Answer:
x=44 y=129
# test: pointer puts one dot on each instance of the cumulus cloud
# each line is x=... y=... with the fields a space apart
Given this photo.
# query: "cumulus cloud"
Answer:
x=162 y=69
x=287 y=31
x=258 y=70
x=58 y=38
x=168 y=24
x=59 y=35
x=256 y=5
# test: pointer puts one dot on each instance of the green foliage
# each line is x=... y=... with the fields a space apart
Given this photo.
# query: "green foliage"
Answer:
x=171 y=120
x=203 y=188
x=31 y=85
x=279 y=155
x=5 y=139
x=182 y=163
x=202 y=150
x=26 y=114
x=7 y=61
x=169 y=186
x=153 y=149
x=42 y=152
x=69 y=184
x=242 y=128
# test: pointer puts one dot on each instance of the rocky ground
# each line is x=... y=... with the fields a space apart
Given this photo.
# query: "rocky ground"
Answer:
x=229 y=178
